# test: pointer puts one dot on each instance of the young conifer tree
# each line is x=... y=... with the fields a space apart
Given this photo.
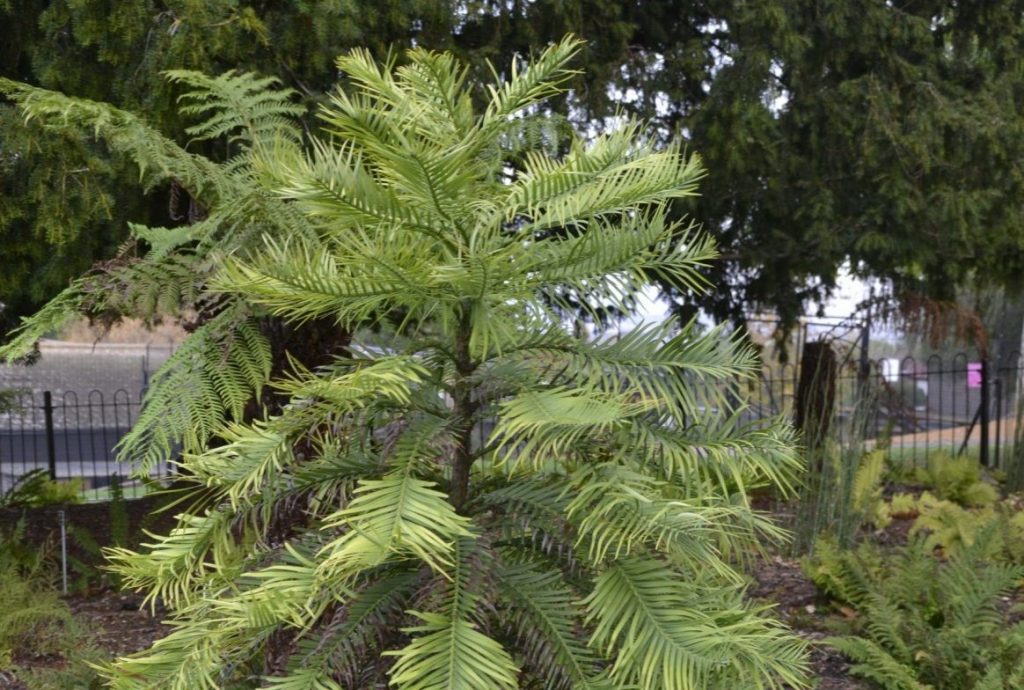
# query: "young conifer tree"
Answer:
x=468 y=496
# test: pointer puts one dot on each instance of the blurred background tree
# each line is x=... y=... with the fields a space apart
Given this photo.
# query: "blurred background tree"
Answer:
x=883 y=136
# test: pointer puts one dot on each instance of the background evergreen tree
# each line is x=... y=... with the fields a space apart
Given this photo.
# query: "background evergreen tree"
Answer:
x=885 y=134
x=66 y=200
x=474 y=497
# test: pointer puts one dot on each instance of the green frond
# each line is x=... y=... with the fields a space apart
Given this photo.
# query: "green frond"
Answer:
x=215 y=641
x=372 y=80
x=843 y=574
x=55 y=314
x=886 y=624
x=303 y=678
x=619 y=513
x=159 y=159
x=251 y=456
x=163 y=241
x=448 y=651
x=535 y=502
x=334 y=185
x=973 y=593
x=722 y=449
x=439 y=79
x=151 y=290
x=396 y=517
x=537 y=426
x=875 y=663
x=611 y=176
x=176 y=566
x=542 y=78
x=337 y=650
x=663 y=634
x=361 y=383
x=238 y=106
x=546 y=624
x=682 y=374
x=208 y=380
x=608 y=255
x=299 y=283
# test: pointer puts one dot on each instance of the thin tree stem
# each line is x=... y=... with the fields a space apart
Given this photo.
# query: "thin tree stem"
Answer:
x=463 y=412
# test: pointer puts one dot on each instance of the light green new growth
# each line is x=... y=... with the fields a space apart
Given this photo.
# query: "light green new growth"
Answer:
x=487 y=501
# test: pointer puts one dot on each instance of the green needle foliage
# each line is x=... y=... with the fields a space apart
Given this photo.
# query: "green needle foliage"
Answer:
x=486 y=500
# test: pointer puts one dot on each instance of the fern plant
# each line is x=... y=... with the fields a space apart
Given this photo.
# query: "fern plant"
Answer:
x=949 y=527
x=957 y=479
x=165 y=273
x=485 y=500
x=924 y=623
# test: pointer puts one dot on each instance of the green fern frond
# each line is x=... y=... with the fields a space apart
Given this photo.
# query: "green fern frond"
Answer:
x=238 y=106
x=208 y=380
x=875 y=663
x=52 y=317
x=159 y=159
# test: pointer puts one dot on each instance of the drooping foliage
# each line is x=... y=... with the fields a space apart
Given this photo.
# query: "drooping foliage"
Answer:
x=467 y=495
x=220 y=372
x=66 y=201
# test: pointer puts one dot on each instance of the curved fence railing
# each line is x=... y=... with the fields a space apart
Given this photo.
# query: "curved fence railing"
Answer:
x=71 y=436
x=910 y=408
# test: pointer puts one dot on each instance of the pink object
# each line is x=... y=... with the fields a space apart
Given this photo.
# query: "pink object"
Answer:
x=974 y=374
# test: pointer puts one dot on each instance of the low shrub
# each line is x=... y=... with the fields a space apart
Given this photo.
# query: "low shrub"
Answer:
x=34 y=489
x=925 y=622
x=957 y=479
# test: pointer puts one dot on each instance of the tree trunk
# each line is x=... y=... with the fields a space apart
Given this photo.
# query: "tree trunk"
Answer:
x=816 y=393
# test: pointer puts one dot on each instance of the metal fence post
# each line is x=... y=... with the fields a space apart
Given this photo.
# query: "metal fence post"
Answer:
x=999 y=423
x=984 y=413
x=51 y=446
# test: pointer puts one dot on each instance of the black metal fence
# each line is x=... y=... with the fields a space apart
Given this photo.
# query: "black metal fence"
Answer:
x=71 y=436
x=909 y=407
x=912 y=408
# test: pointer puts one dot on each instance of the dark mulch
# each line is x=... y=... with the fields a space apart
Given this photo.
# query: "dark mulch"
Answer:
x=798 y=603
x=119 y=624
x=120 y=627
x=113 y=623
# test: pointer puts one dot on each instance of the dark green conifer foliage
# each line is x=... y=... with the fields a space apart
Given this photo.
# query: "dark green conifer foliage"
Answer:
x=889 y=134
x=66 y=199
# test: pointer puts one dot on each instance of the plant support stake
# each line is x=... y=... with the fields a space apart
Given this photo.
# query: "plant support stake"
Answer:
x=63 y=552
